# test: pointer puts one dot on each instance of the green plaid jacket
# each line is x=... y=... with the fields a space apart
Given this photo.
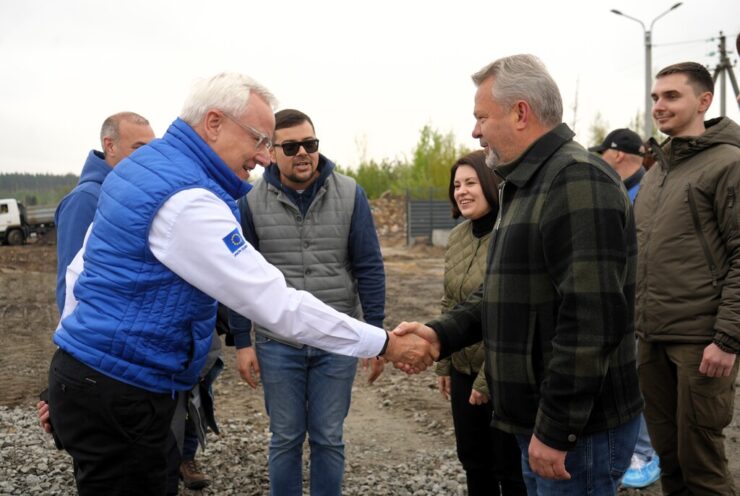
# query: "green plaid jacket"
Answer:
x=556 y=308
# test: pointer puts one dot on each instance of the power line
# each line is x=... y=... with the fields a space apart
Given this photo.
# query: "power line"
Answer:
x=689 y=42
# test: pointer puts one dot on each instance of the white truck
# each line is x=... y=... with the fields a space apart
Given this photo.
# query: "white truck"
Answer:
x=18 y=223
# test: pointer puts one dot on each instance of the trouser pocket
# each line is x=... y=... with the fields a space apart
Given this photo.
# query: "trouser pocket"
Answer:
x=712 y=400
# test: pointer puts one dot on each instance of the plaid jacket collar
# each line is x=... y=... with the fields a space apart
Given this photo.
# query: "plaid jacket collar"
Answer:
x=521 y=170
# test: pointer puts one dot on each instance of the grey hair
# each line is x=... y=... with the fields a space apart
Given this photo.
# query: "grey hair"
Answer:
x=227 y=91
x=111 y=125
x=524 y=77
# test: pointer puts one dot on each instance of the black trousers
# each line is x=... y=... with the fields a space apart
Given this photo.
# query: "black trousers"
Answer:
x=491 y=458
x=115 y=433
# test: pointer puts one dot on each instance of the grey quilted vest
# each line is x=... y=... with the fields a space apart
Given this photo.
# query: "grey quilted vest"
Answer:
x=311 y=252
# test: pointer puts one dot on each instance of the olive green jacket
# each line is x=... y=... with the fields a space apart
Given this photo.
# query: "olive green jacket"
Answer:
x=465 y=268
x=688 y=235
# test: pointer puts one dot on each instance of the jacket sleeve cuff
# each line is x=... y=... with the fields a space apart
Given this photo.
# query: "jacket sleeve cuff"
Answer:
x=375 y=322
x=385 y=344
x=444 y=344
x=480 y=384
x=242 y=340
x=726 y=343
x=554 y=434
x=443 y=367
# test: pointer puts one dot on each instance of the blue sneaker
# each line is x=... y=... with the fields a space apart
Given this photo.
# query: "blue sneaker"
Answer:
x=641 y=473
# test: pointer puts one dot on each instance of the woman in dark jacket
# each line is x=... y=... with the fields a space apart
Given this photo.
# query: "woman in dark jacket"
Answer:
x=490 y=457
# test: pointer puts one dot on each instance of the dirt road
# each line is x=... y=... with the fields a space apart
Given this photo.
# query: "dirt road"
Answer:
x=390 y=424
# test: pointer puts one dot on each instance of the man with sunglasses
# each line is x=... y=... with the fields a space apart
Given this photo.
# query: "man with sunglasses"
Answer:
x=165 y=244
x=315 y=226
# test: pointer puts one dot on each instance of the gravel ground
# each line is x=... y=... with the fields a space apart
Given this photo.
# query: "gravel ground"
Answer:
x=398 y=435
x=404 y=461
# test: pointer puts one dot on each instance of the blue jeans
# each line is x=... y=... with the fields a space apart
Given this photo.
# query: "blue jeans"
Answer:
x=306 y=390
x=643 y=448
x=596 y=465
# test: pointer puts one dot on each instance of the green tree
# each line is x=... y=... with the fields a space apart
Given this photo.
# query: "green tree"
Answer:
x=429 y=170
x=376 y=178
x=433 y=156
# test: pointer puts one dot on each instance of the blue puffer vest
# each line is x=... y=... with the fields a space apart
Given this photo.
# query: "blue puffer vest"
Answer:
x=136 y=321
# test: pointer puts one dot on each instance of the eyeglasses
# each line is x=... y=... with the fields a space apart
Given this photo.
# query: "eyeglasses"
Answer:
x=261 y=139
x=291 y=148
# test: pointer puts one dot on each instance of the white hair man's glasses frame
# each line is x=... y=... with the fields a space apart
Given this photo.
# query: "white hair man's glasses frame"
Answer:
x=260 y=138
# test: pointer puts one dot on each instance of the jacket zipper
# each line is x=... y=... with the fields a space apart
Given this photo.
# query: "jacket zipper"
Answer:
x=494 y=237
x=499 y=215
x=700 y=234
x=731 y=208
x=640 y=323
x=662 y=162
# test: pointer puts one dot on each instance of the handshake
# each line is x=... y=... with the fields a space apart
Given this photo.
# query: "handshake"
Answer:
x=412 y=347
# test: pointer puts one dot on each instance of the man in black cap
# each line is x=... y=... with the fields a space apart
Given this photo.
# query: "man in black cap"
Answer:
x=623 y=150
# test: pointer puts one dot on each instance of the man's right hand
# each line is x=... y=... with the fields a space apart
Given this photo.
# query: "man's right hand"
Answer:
x=42 y=408
x=477 y=398
x=249 y=367
x=421 y=347
x=444 y=386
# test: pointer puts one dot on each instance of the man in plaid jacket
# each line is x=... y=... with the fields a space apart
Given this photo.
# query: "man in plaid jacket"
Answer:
x=556 y=307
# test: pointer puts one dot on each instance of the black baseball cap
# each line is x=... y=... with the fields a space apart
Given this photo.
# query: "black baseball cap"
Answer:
x=622 y=140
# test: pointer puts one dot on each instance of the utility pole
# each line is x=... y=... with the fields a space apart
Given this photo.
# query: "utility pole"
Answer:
x=723 y=69
x=648 y=63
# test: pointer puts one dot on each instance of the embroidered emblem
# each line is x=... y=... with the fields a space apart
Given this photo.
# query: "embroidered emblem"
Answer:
x=235 y=242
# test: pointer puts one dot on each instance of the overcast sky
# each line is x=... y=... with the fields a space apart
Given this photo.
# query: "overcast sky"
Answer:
x=370 y=74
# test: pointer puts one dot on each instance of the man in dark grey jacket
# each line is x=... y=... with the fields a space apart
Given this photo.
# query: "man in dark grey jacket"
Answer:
x=688 y=283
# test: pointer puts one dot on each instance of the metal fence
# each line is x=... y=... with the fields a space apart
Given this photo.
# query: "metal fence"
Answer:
x=427 y=211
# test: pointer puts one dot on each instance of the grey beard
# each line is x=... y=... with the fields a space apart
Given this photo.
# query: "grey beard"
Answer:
x=492 y=158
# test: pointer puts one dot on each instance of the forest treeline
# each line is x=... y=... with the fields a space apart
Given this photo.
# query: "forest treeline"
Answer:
x=36 y=189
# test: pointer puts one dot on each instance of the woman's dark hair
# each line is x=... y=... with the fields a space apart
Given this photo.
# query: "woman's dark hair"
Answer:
x=488 y=181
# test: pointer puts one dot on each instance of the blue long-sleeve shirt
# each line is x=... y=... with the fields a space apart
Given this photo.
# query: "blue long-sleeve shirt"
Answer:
x=365 y=258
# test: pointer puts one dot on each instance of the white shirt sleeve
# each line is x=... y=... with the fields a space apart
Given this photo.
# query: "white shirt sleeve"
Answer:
x=196 y=236
x=74 y=269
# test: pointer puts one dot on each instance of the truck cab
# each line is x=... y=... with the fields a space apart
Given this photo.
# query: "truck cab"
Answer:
x=17 y=223
x=11 y=222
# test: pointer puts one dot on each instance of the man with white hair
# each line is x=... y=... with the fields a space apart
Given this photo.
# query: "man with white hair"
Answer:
x=141 y=305
x=556 y=306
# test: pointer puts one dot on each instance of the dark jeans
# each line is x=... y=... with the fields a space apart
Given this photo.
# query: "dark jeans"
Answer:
x=489 y=456
x=115 y=433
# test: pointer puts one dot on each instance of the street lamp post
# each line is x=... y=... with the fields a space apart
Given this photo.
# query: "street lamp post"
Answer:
x=648 y=63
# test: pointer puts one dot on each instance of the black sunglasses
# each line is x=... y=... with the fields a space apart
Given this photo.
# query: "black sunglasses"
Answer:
x=291 y=148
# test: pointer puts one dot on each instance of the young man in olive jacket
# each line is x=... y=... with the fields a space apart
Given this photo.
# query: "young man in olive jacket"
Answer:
x=557 y=303
x=688 y=283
